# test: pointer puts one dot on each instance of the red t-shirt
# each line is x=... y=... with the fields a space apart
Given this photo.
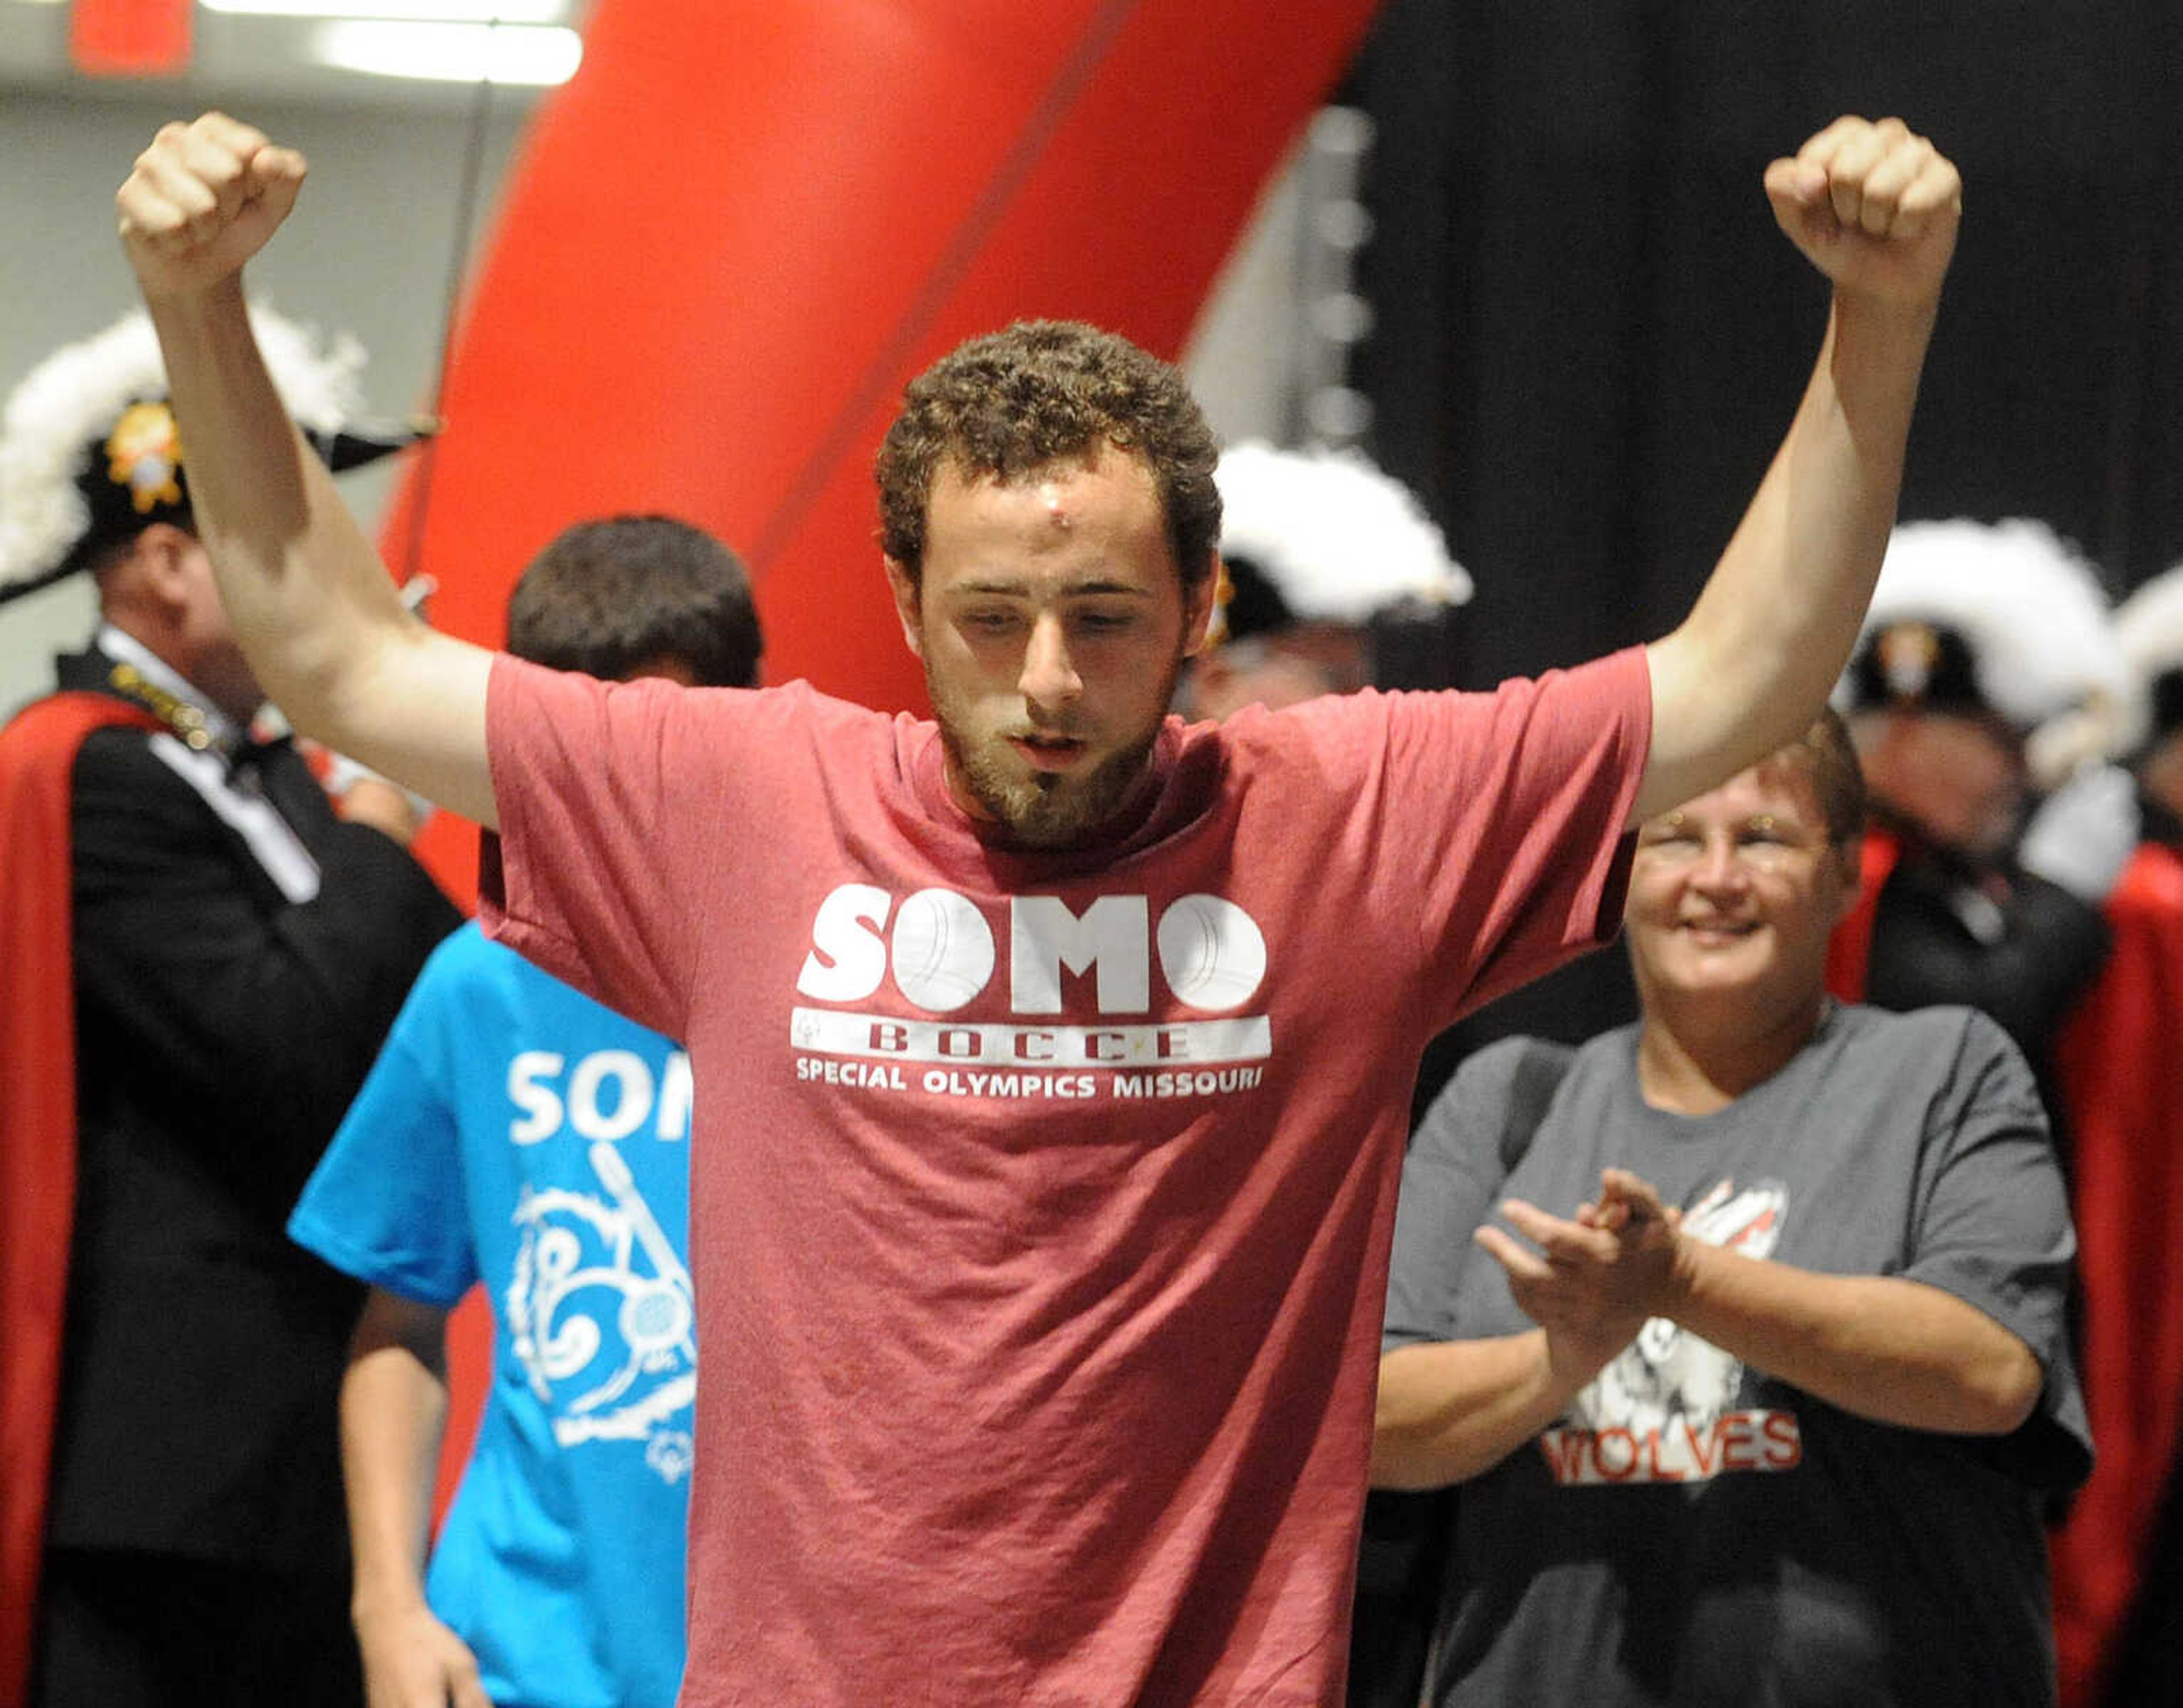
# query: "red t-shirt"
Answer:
x=1041 y=1203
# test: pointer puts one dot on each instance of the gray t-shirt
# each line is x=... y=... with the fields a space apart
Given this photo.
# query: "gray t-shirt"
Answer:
x=1693 y=1531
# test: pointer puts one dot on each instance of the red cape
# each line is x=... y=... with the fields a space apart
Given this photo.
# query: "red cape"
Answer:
x=37 y=1130
x=2119 y=1064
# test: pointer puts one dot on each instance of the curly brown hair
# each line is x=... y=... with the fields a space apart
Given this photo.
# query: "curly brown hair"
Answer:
x=1011 y=402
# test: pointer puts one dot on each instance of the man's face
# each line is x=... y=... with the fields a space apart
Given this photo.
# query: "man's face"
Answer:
x=215 y=660
x=1733 y=895
x=1052 y=625
x=161 y=590
x=1957 y=778
x=2160 y=773
x=1274 y=670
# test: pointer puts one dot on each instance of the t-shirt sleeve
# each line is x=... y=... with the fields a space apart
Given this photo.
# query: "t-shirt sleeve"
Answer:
x=388 y=1203
x=1458 y=1160
x=1993 y=1226
x=611 y=797
x=1512 y=827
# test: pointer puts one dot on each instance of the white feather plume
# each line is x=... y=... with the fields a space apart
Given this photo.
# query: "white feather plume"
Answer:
x=1339 y=539
x=2043 y=638
x=70 y=400
x=2149 y=624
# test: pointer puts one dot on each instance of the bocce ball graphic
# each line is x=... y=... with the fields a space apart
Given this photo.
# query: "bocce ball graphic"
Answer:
x=1211 y=953
x=943 y=950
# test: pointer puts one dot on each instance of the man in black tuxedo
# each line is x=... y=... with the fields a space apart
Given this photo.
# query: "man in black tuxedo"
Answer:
x=217 y=946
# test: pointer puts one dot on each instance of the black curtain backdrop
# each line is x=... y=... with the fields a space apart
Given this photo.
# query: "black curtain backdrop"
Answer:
x=1590 y=334
x=1590 y=337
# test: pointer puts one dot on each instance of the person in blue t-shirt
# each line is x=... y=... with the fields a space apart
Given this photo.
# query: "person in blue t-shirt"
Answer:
x=516 y=1134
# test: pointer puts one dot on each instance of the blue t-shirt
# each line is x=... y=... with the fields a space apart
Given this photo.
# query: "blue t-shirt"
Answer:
x=515 y=1133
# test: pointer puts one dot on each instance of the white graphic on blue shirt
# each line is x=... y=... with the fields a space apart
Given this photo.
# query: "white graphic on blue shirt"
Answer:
x=514 y=1134
x=599 y=1312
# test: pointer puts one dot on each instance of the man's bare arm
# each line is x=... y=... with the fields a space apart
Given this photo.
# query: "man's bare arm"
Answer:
x=1875 y=208
x=315 y=610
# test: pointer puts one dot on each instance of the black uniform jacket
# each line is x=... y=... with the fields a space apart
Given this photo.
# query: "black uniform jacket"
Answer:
x=221 y=1029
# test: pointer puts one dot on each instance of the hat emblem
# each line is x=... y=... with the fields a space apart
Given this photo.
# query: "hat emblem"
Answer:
x=1908 y=652
x=144 y=453
x=1224 y=595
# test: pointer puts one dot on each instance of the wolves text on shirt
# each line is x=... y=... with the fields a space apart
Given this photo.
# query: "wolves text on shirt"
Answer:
x=1682 y=1451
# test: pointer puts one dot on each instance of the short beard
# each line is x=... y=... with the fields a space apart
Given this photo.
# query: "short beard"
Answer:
x=1047 y=810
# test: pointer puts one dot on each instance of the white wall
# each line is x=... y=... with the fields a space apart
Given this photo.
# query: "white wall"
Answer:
x=372 y=259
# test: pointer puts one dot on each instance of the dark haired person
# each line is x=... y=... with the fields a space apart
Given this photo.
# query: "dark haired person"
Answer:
x=199 y=955
x=1053 y=1056
x=515 y=1134
x=1763 y=1409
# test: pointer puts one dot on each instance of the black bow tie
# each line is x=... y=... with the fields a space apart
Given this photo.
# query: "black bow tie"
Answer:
x=248 y=755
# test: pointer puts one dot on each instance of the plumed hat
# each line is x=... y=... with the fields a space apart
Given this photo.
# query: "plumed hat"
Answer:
x=1324 y=537
x=89 y=454
x=2149 y=624
x=2004 y=619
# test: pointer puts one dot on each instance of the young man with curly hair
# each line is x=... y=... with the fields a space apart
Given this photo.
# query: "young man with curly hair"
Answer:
x=1058 y=1052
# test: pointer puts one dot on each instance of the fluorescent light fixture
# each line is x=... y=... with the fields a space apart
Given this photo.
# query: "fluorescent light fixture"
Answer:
x=417 y=11
x=450 y=52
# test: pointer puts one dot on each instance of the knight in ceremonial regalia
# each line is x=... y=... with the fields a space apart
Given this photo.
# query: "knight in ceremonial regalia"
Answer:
x=200 y=951
x=1332 y=578
x=1988 y=695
